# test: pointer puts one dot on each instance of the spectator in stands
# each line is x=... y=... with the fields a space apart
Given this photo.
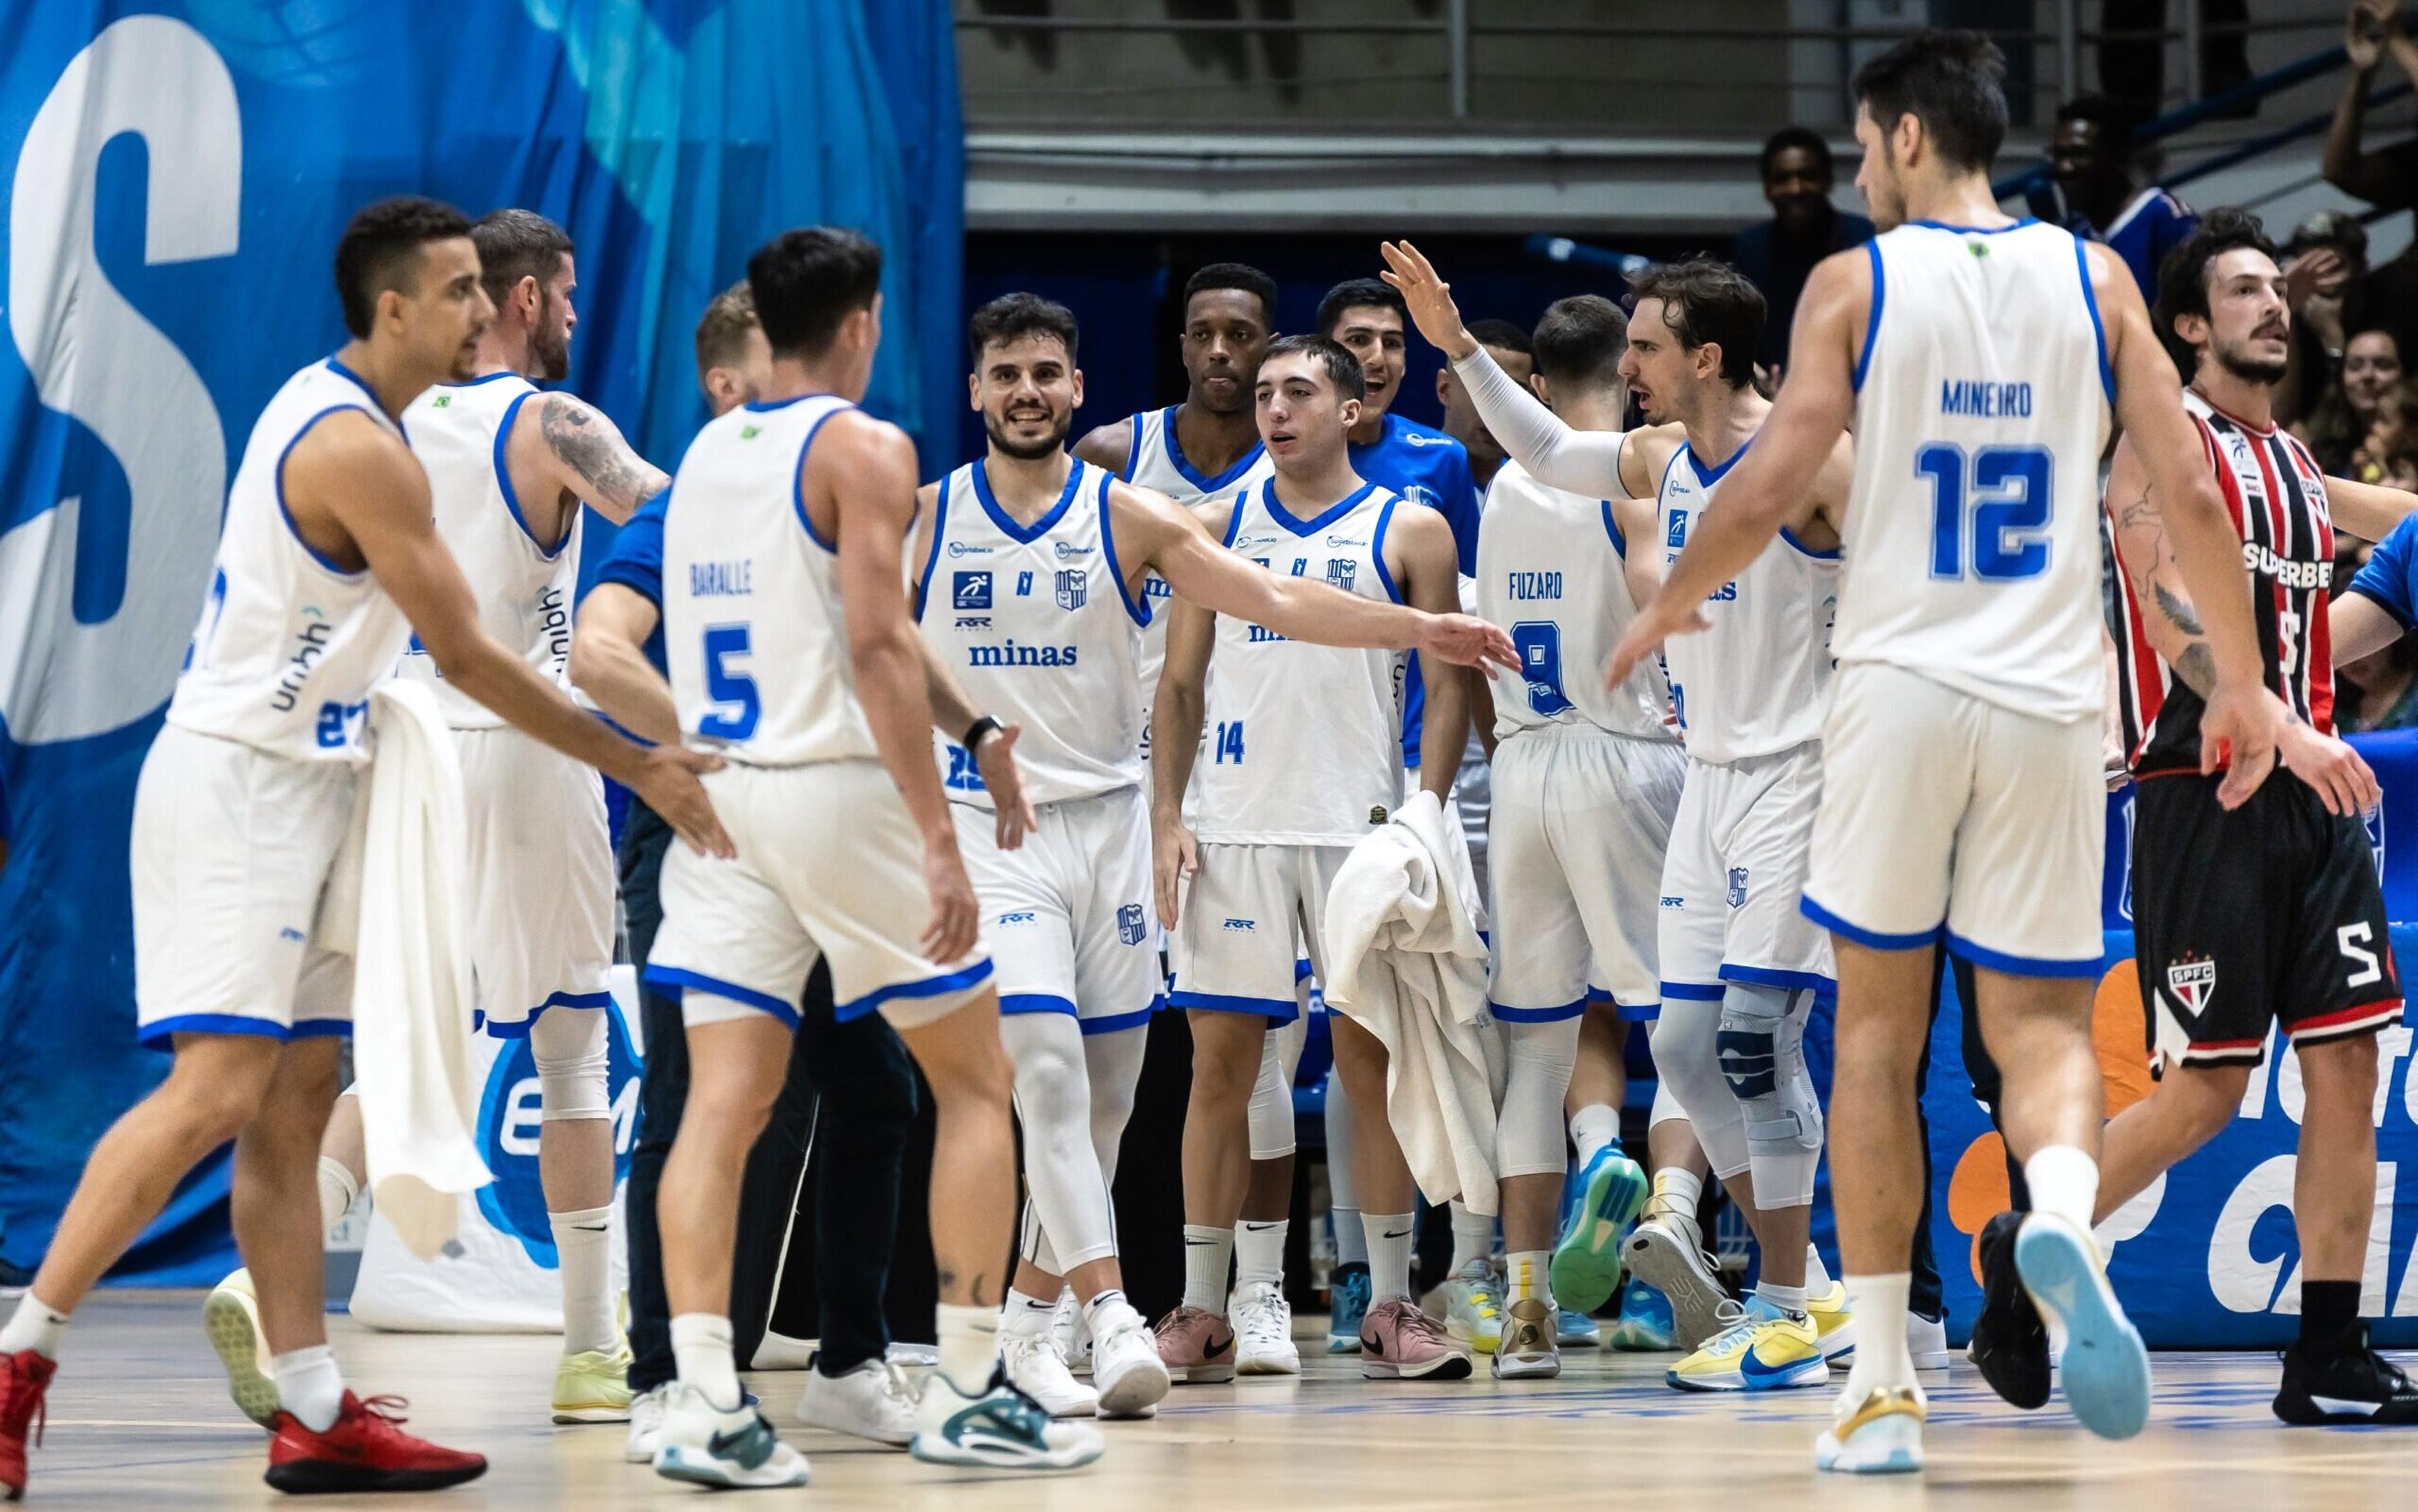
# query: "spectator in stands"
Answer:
x=2387 y=177
x=2388 y=455
x=2325 y=269
x=2343 y=415
x=2379 y=692
x=1511 y=350
x=2097 y=172
x=1779 y=254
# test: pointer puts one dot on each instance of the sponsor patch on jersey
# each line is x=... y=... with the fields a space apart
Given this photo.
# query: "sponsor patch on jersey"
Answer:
x=1074 y=588
x=1022 y=916
x=1130 y=928
x=2191 y=985
x=1677 y=536
x=1670 y=902
x=971 y=592
x=1343 y=573
x=974 y=621
x=961 y=548
x=1414 y=493
x=1069 y=550
x=1241 y=927
x=1738 y=887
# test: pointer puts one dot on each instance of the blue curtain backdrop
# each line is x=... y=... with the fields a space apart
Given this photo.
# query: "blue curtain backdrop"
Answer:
x=176 y=178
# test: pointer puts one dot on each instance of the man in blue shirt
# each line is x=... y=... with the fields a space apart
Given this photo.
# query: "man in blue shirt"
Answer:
x=2091 y=158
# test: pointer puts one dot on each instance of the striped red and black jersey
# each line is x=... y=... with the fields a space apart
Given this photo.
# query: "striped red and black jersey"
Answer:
x=2276 y=493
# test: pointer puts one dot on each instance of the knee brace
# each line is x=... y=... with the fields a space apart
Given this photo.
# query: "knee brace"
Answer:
x=1687 y=1057
x=570 y=1047
x=1528 y=1133
x=1762 y=1049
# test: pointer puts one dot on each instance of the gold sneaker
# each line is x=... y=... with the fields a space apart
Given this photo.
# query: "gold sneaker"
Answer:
x=1528 y=1348
x=1880 y=1434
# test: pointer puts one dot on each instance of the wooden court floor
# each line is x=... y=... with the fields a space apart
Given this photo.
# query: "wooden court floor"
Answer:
x=139 y=1420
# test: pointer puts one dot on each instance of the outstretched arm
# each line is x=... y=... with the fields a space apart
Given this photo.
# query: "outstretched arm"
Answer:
x=2366 y=510
x=608 y=663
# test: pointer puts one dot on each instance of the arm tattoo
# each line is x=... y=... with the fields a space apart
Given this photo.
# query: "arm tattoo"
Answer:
x=2197 y=666
x=610 y=471
x=2186 y=618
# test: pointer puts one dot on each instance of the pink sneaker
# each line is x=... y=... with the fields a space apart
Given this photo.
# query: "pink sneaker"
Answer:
x=1399 y=1342
x=1197 y=1347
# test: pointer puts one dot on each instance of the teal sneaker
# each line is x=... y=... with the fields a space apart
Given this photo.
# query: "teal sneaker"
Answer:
x=1576 y=1331
x=1643 y=1326
x=1002 y=1429
x=1606 y=1199
x=734 y=1450
x=1347 y=1288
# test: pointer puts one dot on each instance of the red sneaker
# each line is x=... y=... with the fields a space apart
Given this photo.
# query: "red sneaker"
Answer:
x=363 y=1450
x=23 y=1377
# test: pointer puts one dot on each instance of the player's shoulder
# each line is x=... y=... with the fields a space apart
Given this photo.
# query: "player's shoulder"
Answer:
x=1109 y=446
x=848 y=434
x=1424 y=442
x=351 y=435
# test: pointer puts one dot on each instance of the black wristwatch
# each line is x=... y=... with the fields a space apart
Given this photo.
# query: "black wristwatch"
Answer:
x=979 y=728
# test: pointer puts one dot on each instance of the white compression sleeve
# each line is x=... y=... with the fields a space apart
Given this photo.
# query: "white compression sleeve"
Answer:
x=571 y=1052
x=1528 y=1133
x=1688 y=1056
x=1583 y=462
x=1053 y=1101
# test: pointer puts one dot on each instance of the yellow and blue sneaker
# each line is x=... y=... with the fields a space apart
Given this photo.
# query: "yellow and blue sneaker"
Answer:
x=1833 y=1321
x=1605 y=1201
x=1471 y=1300
x=1762 y=1349
x=1643 y=1326
x=1878 y=1433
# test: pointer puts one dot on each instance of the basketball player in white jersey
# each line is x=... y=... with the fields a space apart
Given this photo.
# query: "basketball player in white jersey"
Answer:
x=1981 y=362
x=1739 y=964
x=1303 y=762
x=1032 y=563
x=792 y=649
x=1204 y=448
x=1587 y=779
x=328 y=561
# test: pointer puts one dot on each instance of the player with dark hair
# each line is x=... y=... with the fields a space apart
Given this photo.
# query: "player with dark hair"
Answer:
x=1779 y=254
x=2097 y=173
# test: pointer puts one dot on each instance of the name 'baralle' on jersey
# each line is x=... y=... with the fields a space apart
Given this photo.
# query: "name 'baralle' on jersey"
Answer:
x=722 y=580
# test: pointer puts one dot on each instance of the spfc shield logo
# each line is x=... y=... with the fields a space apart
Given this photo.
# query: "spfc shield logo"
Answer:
x=2191 y=985
x=1342 y=572
x=1738 y=887
x=1129 y=923
x=1074 y=587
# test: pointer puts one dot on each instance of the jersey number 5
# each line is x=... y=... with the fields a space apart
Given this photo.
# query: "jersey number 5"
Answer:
x=736 y=706
x=1987 y=510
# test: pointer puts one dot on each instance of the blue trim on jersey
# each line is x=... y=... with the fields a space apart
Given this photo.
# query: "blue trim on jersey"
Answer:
x=1869 y=938
x=1300 y=527
x=1611 y=528
x=560 y=1000
x=765 y=407
x=277 y=477
x=2375 y=594
x=1183 y=464
x=322 y=1029
x=933 y=558
x=473 y=383
x=2022 y=965
x=931 y=987
x=672 y=982
x=1976 y=230
x=1696 y=464
x=1119 y=1023
x=1035 y=1002
x=1133 y=449
x=355 y=379
x=1538 y=1015
x=1234 y=521
x=1691 y=992
x=1024 y=535
x=1790 y=536
x=798 y=477
x=155 y=1035
x=1377 y=551
x=504 y=480
x=1276 y=1010
x=1765 y=976
x=1872 y=317
x=1139 y=610
x=2098 y=328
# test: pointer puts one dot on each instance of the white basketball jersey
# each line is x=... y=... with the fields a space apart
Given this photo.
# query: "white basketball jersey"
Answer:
x=1550 y=572
x=288 y=643
x=525 y=591
x=1759 y=681
x=1981 y=408
x=1157 y=461
x=1035 y=622
x=1305 y=740
x=752 y=630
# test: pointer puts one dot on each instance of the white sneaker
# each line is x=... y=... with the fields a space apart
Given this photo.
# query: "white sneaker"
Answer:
x=1262 y=1332
x=779 y=1351
x=704 y=1445
x=1667 y=1253
x=1129 y=1376
x=1926 y=1339
x=1002 y=1429
x=230 y=1320
x=646 y=1426
x=1033 y=1364
x=871 y=1402
x=1074 y=1334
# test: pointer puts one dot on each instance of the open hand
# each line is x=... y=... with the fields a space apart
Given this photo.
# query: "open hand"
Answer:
x=1654 y=624
x=956 y=919
x=666 y=779
x=1174 y=858
x=995 y=759
x=1430 y=299
x=1466 y=640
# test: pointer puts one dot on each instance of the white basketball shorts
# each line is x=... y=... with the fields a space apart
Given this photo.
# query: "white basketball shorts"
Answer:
x=1239 y=920
x=540 y=860
x=1736 y=875
x=1067 y=913
x=829 y=866
x=231 y=855
x=1581 y=821
x=1941 y=808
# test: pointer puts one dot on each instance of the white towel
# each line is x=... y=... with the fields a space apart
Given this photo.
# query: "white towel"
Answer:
x=1405 y=962
x=411 y=973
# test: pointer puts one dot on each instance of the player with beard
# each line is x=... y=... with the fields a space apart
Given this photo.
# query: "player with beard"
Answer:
x=2269 y=913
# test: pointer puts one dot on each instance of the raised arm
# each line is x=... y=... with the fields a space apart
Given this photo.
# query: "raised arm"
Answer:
x=874 y=510
x=350 y=471
x=581 y=456
x=1176 y=716
x=608 y=662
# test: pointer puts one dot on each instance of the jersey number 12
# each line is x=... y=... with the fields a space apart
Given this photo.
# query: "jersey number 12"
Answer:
x=1987 y=510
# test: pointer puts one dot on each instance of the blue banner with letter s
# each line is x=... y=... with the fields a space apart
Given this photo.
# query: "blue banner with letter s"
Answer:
x=175 y=175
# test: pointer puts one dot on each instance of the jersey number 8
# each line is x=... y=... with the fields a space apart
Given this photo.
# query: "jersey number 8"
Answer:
x=1540 y=645
x=1988 y=531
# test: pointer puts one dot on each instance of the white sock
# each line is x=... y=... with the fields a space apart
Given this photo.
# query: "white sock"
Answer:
x=583 y=1248
x=1390 y=1238
x=1351 y=1241
x=1678 y=1189
x=969 y=1339
x=337 y=1190
x=1529 y=1272
x=35 y=1325
x=701 y=1353
x=2064 y=1184
x=1207 y=1248
x=1595 y=1128
x=309 y=1385
x=1817 y=1275
x=1789 y=1299
x=1473 y=1237
x=1881 y=1359
x=1025 y=1313
x=1103 y=1309
x=1259 y=1252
